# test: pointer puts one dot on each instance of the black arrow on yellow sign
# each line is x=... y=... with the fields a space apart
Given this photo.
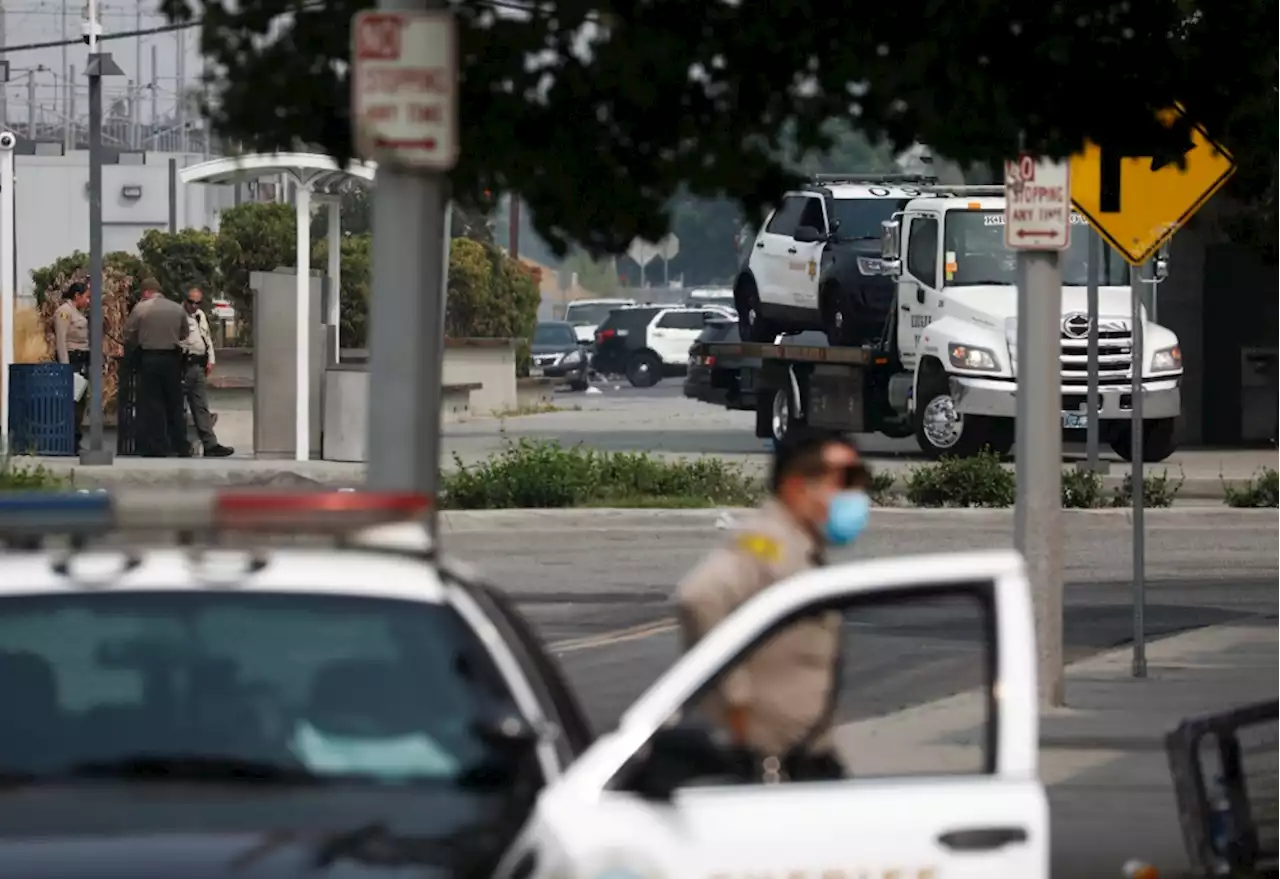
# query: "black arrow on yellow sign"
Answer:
x=1168 y=146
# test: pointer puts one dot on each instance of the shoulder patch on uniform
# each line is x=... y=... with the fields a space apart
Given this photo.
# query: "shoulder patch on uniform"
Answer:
x=762 y=547
x=62 y=315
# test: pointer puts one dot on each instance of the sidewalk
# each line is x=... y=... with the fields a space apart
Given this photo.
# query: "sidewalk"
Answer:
x=1102 y=759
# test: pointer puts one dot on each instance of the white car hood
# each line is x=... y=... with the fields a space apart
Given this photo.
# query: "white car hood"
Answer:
x=996 y=302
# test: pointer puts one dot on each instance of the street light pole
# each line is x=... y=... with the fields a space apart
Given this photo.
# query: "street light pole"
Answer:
x=100 y=65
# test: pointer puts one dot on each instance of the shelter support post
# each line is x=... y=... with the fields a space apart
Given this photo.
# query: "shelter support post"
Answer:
x=302 y=426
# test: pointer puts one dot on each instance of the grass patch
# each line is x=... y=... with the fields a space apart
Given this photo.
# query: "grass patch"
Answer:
x=531 y=409
x=21 y=477
x=1259 y=492
x=545 y=474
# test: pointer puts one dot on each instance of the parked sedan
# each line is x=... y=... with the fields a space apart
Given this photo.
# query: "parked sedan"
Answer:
x=557 y=353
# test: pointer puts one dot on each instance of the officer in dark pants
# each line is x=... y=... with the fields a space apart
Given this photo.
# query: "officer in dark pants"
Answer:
x=155 y=331
x=71 y=338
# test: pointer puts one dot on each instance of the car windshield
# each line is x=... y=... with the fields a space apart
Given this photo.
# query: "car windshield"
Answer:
x=590 y=313
x=287 y=686
x=860 y=218
x=554 y=334
x=975 y=253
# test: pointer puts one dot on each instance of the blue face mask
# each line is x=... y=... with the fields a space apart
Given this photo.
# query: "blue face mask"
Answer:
x=847 y=517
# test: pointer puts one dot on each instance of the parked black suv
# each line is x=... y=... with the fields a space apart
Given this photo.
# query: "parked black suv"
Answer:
x=647 y=342
x=717 y=379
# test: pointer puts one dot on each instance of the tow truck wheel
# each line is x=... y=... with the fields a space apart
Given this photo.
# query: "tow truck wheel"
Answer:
x=774 y=417
x=1159 y=440
x=837 y=318
x=942 y=431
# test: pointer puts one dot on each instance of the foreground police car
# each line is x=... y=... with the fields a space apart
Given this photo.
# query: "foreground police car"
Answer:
x=660 y=797
x=319 y=708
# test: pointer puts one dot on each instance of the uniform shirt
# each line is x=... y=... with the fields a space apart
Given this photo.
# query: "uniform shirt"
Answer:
x=156 y=324
x=70 y=331
x=785 y=683
x=199 y=341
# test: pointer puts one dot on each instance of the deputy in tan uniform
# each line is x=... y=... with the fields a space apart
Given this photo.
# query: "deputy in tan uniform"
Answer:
x=156 y=329
x=779 y=700
x=198 y=358
x=71 y=339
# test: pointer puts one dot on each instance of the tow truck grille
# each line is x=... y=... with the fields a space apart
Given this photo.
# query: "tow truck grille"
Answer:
x=1115 y=356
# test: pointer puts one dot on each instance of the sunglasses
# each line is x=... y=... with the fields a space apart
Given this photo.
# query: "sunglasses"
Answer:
x=193 y=302
x=857 y=476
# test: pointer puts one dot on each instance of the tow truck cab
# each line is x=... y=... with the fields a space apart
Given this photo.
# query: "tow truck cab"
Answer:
x=945 y=366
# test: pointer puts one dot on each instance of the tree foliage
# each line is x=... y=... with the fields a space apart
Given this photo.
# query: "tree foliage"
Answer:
x=355 y=285
x=638 y=98
x=254 y=237
x=52 y=279
x=182 y=260
x=490 y=295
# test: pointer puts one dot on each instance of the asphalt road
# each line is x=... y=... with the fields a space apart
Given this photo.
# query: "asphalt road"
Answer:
x=602 y=599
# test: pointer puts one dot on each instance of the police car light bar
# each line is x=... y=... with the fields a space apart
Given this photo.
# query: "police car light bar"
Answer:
x=38 y=514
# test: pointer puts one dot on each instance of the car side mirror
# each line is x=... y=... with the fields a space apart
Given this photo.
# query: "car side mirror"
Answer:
x=891 y=248
x=807 y=235
x=1160 y=268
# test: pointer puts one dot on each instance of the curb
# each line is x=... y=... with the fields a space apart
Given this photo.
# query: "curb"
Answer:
x=608 y=519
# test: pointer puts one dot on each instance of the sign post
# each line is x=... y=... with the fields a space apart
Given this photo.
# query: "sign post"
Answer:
x=1094 y=256
x=405 y=116
x=1038 y=226
x=1138 y=202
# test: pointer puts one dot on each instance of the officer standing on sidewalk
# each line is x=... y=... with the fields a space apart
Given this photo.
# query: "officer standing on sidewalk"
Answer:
x=156 y=329
x=71 y=338
x=197 y=362
x=780 y=699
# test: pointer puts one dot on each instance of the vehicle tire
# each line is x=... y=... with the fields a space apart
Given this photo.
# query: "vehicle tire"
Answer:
x=774 y=416
x=579 y=384
x=1159 y=440
x=941 y=431
x=752 y=326
x=837 y=317
x=644 y=369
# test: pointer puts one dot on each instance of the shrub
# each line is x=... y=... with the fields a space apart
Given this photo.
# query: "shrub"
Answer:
x=980 y=481
x=1260 y=491
x=536 y=473
x=881 y=491
x=1082 y=489
x=1157 y=491
x=55 y=277
x=357 y=276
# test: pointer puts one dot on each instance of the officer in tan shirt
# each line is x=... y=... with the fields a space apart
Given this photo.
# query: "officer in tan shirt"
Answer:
x=71 y=339
x=155 y=331
x=779 y=699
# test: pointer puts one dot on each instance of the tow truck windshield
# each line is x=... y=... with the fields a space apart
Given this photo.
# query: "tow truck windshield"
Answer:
x=974 y=253
x=263 y=688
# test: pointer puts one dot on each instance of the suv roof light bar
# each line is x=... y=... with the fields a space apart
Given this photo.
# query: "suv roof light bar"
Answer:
x=39 y=514
x=873 y=178
x=988 y=189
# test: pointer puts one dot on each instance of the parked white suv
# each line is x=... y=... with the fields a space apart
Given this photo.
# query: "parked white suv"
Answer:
x=815 y=264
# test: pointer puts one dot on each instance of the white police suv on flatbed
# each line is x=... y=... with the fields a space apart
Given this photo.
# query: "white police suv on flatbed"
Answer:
x=344 y=705
x=815 y=264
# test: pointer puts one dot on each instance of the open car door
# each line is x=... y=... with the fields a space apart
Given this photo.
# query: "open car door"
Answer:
x=937 y=817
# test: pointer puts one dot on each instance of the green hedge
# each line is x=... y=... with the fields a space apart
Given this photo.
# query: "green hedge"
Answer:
x=1260 y=491
x=21 y=477
x=536 y=473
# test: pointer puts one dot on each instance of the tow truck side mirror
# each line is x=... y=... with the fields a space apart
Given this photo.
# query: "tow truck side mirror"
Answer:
x=1160 y=268
x=890 y=248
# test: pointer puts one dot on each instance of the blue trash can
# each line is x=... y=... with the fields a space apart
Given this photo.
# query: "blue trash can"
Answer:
x=42 y=409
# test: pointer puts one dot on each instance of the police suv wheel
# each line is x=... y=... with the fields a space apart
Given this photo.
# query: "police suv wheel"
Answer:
x=644 y=369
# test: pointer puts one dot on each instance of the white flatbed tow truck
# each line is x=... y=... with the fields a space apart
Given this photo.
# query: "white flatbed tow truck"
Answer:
x=945 y=366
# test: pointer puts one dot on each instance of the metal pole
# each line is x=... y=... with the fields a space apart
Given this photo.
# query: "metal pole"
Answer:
x=73 y=129
x=173 y=196
x=406 y=332
x=1095 y=257
x=303 y=365
x=1137 y=477
x=100 y=64
x=8 y=253
x=1038 y=515
x=68 y=74
x=180 y=37
x=155 y=87
x=31 y=106
x=334 y=317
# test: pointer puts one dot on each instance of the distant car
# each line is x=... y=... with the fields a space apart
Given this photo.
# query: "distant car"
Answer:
x=647 y=342
x=587 y=314
x=557 y=353
x=717 y=379
x=721 y=296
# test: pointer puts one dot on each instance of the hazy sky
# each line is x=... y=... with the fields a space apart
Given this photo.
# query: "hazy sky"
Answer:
x=38 y=21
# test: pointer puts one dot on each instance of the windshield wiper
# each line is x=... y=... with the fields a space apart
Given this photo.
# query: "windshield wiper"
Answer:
x=188 y=768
